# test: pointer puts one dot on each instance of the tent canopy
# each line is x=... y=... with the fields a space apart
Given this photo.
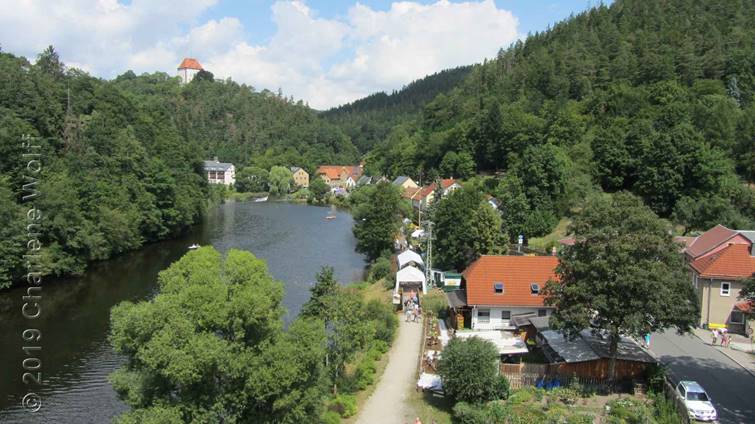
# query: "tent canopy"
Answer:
x=408 y=256
x=410 y=275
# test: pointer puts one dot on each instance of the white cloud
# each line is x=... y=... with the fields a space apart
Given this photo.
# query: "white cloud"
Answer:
x=323 y=61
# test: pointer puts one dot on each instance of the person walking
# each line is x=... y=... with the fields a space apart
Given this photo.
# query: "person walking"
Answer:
x=714 y=334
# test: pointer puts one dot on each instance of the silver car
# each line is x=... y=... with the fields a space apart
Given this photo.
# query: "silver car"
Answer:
x=697 y=401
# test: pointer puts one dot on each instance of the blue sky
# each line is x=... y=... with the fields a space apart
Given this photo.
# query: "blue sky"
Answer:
x=323 y=52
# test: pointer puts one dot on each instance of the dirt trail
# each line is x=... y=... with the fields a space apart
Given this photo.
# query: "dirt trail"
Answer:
x=387 y=405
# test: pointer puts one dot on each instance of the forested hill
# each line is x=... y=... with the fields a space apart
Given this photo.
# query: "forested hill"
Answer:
x=654 y=97
x=121 y=159
x=367 y=121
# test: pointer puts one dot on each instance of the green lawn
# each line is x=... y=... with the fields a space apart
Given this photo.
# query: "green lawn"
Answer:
x=549 y=240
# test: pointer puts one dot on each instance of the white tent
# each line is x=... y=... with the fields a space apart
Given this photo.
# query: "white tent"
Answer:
x=410 y=276
x=418 y=233
x=407 y=257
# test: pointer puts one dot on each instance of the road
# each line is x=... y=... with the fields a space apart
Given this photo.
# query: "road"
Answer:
x=388 y=403
x=731 y=387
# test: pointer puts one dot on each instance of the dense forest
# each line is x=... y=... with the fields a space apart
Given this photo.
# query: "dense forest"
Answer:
x=121 y=160
x=651 y=97
x=369 y=120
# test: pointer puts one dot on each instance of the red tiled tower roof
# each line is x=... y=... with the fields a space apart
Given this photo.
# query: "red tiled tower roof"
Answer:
x=190 y=63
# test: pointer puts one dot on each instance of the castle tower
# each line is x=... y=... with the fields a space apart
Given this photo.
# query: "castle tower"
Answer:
x=188 y=68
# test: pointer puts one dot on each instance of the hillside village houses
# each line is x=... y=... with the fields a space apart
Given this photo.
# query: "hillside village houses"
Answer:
x=719 y=261
x=220 y=172
x=342 y=177
x=188 y=69
x=300 y=176
x=404 y=182
x=422 y=197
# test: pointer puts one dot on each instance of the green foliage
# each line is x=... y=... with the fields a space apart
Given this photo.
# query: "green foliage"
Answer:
x=318 y=190
x=252 y=179
x=280 y=180
x=325 y=286
x=210 y=347
x=13 y=239
x=748 y=289
x=331 y=417
x=380 y=269
x=491 y=412
x=344 y=405
x=377 y=218
x=613 y=97
x=622 y=251
x=469 y=369
x=629 y=411
x=384 y=320
x=466 y=226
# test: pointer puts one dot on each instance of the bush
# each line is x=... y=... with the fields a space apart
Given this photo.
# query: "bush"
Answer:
x=380 y=269
x=469 y=369
x=628 y=411
x=344 y=405
x=492 y=412
x=384 y=319
x=331 y=417
x=365 y=374
x=655 y=375
x=665 y=410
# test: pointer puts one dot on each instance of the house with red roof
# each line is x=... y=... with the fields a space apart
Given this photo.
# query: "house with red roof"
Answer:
x=422 y=197
x=340 y=176
x=720 y=260
x=188 y=68
x=497 y=288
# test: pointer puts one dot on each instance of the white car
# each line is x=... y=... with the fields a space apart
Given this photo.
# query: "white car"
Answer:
x=697 y=402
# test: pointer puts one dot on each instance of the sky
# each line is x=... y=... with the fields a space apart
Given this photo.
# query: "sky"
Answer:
x=326 y=52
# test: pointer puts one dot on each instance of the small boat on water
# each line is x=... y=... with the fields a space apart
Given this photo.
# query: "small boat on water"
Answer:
x=194 y=247
x=332 y=215
x=261 y=199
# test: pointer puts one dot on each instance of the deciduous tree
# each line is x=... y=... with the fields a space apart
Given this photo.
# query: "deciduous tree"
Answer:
x=624 y=275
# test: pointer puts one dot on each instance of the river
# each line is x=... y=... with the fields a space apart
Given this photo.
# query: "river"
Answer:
x=295 y=240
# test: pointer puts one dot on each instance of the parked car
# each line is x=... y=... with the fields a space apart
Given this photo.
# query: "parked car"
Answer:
x=696 y=401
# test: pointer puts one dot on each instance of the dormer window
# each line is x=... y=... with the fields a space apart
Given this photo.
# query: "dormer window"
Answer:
x=498 y=288
x=535 y=288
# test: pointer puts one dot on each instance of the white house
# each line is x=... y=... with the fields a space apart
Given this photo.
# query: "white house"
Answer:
x=497 y=288
x=220 y=172
x=188 y=69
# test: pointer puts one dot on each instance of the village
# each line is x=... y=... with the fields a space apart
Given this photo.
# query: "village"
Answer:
x=501 y=299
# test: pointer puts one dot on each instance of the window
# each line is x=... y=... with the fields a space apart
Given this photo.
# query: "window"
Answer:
x=542 y=312
x=535 y=288
x=498 y=288
x=725 y=288
x=505 y=315
x=737 y=317
x=483 y=316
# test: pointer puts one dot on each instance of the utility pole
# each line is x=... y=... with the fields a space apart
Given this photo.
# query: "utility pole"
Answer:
x=429 y=256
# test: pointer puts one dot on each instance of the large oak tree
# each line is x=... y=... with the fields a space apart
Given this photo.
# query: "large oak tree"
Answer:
x=624 y=276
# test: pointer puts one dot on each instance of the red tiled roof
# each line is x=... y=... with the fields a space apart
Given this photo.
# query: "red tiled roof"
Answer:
x=733 y=261
x=709 y=240
x=190 y=63
x=334 y=171
x=516 y=273
x=429 y=189
x=684 y=241
x=410 y=192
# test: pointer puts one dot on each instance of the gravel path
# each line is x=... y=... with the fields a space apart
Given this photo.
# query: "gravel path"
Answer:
x=387 y=405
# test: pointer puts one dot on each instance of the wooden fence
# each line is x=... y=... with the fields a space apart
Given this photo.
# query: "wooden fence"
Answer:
x=526 y=374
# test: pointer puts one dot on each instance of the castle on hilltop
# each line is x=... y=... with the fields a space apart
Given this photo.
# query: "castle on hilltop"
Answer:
x=188 y=68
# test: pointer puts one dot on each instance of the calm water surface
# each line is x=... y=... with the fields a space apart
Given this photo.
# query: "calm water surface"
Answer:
x=295 y=240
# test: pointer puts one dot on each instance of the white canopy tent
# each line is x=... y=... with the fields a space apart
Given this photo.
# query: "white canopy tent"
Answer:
x=410 y=276
x=407 y=257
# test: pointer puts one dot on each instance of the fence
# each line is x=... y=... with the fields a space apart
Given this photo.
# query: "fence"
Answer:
x=526 y=374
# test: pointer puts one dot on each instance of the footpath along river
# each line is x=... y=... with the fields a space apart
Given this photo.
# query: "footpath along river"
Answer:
x=294 y=239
